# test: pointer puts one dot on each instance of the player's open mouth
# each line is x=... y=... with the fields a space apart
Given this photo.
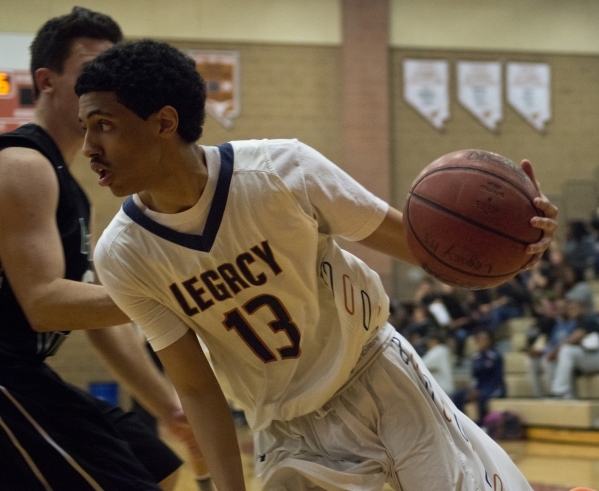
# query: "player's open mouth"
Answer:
x=105 y=177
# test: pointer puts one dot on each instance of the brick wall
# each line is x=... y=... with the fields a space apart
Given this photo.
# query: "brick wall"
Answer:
x=297 y=91
x=565 y=151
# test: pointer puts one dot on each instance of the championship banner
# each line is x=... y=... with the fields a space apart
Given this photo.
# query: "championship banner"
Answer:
x=479 y=90
x=528 y=91
x=426 y=89
x=220 y=70
x=16 y=99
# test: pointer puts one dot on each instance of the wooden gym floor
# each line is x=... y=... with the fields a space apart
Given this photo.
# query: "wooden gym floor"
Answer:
x=548 y=466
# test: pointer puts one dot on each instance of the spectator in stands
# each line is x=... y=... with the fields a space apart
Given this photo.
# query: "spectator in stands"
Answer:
x=476 y=302
x=399 y=315
x=438 y=360
x=595 y=227
x=552 y=328
x=461 y=324
x=427 y=288
x=578 y=353
x=579 y=250
x=509 y=300
x=540 y=279
x=487 y=376
x=572 y=282
x=421 y=324
x=448 y=309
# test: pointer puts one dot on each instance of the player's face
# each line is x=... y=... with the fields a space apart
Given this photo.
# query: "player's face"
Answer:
x=122 y=147
x=65 y=101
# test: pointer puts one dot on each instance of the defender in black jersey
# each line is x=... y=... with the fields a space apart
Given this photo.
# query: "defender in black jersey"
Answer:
x=53 y=435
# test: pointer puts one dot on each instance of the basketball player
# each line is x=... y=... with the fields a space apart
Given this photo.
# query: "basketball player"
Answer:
x=236 y=243
x=52 y=435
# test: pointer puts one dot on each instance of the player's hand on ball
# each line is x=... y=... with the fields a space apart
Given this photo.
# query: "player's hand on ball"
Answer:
x=548 y=223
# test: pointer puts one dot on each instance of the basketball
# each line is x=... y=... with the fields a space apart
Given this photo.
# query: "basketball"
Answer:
x=467 y=219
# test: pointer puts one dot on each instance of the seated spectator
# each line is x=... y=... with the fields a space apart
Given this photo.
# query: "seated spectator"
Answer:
x=579 y=250
x=578 y=353
x=438 y=360
x=487 y=376
x=476 y=302
x=421 y=324
x=426 y=288
x=400 y=314
x=572 y=282
x=461 y=324
x=552 y=329
x=449 y=311
x=509 y=300
x=540 y=279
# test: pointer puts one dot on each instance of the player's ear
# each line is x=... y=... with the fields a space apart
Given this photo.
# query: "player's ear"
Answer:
x=169 y=120
x=43 y=80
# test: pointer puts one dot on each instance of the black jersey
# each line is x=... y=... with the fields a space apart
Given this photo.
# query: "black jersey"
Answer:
x=17 y=338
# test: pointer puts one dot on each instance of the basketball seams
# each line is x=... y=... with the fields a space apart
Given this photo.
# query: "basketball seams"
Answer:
x=481 y=171
x=468 y=220
x=505 y=275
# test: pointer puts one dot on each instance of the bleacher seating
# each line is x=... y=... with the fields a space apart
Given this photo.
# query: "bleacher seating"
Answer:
x=556 y=413
x=546 y=419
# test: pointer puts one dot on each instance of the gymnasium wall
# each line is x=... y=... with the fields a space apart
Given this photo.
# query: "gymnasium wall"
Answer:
x=291 y=63
x=290 y=68
x=566 y=150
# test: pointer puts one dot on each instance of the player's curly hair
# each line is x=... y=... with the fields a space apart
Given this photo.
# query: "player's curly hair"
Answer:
x=146 y=76
x=52 y=43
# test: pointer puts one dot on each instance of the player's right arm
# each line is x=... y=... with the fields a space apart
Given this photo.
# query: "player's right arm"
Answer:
x=206 y=409
x=389 y=238
x=31 y=251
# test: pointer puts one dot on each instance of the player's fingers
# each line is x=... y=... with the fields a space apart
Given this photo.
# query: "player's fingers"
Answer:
x=546 y=206
x=548 y=225
x=533 y=260
x=540 y=246
x=527 y=168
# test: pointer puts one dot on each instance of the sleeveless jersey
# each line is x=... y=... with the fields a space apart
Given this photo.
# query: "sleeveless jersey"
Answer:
x=282 y=309
x=17 y=338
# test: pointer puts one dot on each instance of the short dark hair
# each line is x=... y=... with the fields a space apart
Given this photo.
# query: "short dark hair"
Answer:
x=52 y=43
x=147 y=75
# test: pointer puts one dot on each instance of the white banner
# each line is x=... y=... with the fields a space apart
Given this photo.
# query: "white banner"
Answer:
x=426 y=89
x=479 y=90
x=528 y=91
x=220 y=70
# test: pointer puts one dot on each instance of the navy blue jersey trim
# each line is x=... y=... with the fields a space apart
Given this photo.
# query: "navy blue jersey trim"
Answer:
x=215 y=215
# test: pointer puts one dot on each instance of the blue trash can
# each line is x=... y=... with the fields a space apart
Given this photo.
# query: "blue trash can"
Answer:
x=107 y=391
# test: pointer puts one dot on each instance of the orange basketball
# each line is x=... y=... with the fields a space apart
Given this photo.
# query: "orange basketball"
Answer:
x=467 y=219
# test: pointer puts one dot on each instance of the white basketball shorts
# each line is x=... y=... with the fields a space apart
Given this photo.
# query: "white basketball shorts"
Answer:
x=393 y=424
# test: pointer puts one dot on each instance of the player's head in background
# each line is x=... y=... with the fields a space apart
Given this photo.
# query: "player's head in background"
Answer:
x=53 y=42
x=58 y=52
x=146 y=76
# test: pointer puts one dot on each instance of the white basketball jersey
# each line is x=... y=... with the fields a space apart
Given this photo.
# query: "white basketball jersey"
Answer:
x=283 y=310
